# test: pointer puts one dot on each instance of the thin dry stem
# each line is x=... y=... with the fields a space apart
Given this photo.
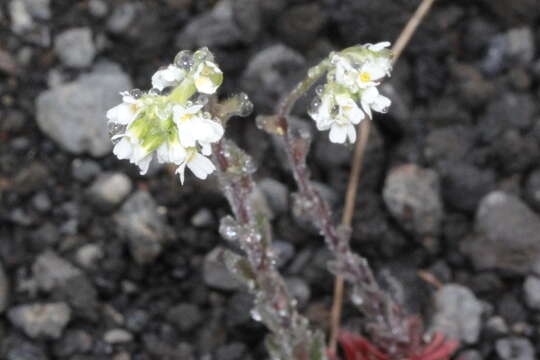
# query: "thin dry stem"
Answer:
x=357 y=162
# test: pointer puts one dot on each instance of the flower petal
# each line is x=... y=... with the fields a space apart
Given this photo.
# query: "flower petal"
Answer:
x=338 y=134
x=201 y=166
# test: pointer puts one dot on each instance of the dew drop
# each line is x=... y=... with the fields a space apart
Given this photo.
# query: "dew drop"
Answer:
x=184 y=60
x=136 y=93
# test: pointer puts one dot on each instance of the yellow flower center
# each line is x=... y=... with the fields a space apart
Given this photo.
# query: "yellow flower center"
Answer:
x=364 y=77
x=134 y=107
x=185 y=117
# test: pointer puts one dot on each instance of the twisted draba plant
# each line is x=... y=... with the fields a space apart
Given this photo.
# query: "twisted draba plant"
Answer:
x=180 y=121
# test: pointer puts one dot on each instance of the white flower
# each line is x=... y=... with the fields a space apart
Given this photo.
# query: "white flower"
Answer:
x=171 y=152
x=194 y=127
x=340 y=114
x=128 y=148
x=199 y=165
x=359 y=69
x=126 y=112
x=207 y=77
x=169 y=76
x=378 y=46
x=370 y=99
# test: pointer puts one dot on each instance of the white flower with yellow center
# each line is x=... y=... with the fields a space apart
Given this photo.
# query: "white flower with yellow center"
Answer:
x=362 y=67
x=124 y=113
x=207 y=77
x=199 y=165
x=338 y=113
x=370 y=99
x=166 y=77
x=194 y=127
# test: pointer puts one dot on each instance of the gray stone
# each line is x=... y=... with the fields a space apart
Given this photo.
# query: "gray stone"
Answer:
x=184 y=316
x=52 y=271
x=507 y=235
x=283 y=252
x=84 y=170
x=88 y=255
x=109 y=190
x=532 y=189
x=299 y=290
x=28 y=18
x=237 y=304
x=4 y=289
x=216 y=274
x=98 y=8
x=412 y=195
x=117 y=336
x=122 y=17
x=496 y=326
x=75 y=47
x=470 y=355
x=41 y=202
x=16 y=348
x=202 y=218
x=141 y=224
x=531 y=288
x=271 y=73
x=220 y=27
x=513 y=48
x=41 y=320
x=73 y=114
x=234 y=351
x=457 y=313
x=73 y=342
x=515 y=348
x=276 y=193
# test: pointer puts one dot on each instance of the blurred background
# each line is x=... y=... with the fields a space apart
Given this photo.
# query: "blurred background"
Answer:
x=97 y=262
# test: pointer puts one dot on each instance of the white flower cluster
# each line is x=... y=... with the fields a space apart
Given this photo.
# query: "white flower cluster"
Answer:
x=350 y=93
x=165 y=122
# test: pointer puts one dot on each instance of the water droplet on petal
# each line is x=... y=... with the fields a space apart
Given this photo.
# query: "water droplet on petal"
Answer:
x=136 y=93
x=184 y=60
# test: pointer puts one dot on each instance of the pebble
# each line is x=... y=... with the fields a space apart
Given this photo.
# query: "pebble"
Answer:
x=4 y=289
x=16 y=348
x=73 y=114
x=98 y=8
x=507 y=235
x=531 y=287
x=109 y=190
x=276 y=194
x=41 y=202
x=202 y=218
x=234 y=351
x=271 y=73
x=41 y=320
x=457 y=313
x=185 y=316
x=117 y=336
x=532 y=189
x=141 y=224
x=412 y=195
x=85 y=170
x=75 y=47
x=52 y=271
x=73 y=342
x=88 y=255
x=515 y=348
x=216 y=274
x=299 y=290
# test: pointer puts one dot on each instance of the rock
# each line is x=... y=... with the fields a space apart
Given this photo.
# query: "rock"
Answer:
x=457 y=313
x=236 y=313
x=470 y=355
x=473 y=88
x=88 y=255
x=464 y=185
x=23 y=15
x=73 y=114
x=141 y=224
x=98 y=8
x=299 y=290
x=216 y=274
x=15 y=348
x=184 y=316
x=73 y=342
x=75 y=47
x=41 y=202
x=510 y=308
x=515 y=348
x=109 y=190
x=299 y=25
x=507 y=235
x=84 y=170
x=412 y=195
x=516 y=47
x=234 y=351
x=496 y=327
x=202 y=218
x=219 y=27
x=30 y=178
x=531 y=288
x=515 y=152
x=4 y=289
x=283 y=252
x=276 y=193
x=532 y=189
x=117 y=336
x=270 y=74
x=51 y=271
x=449 y=143
x=41 y=320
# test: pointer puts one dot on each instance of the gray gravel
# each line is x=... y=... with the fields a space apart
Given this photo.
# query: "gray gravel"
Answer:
x=75 y=47
x=41 y=320
x=73 y=114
